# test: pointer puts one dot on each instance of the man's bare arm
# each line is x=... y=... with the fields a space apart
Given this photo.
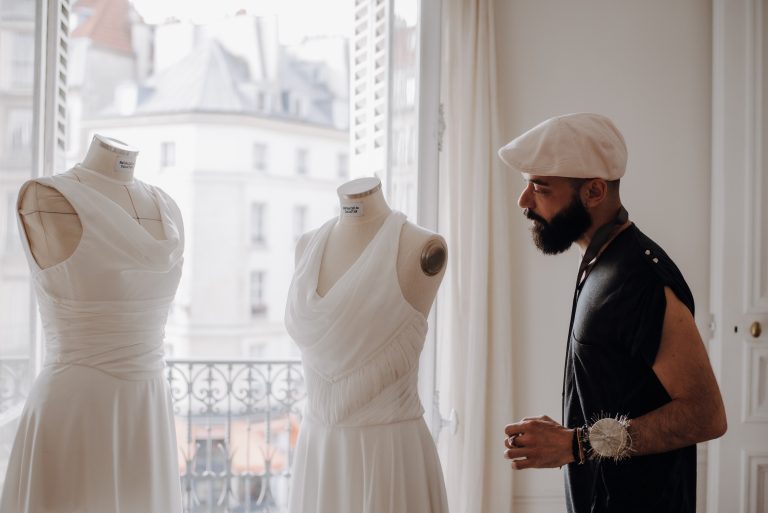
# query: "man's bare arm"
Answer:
x=695 y=413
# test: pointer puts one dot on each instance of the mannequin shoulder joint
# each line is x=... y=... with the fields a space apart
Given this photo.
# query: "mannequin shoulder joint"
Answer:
x=434 y=255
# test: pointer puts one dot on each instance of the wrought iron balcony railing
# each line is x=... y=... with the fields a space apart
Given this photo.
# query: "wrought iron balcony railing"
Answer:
x=236 y=425
x=236 y=429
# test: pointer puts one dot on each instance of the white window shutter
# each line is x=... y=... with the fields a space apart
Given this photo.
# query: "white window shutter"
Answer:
x=57 y=55
x=370 y=88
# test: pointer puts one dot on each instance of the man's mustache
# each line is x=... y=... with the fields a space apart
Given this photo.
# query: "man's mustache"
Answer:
x=533 y=216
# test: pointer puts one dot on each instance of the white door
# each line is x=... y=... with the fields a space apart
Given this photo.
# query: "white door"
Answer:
x=738 y=462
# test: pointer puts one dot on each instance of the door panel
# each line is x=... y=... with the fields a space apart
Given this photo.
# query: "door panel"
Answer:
x=738 y=462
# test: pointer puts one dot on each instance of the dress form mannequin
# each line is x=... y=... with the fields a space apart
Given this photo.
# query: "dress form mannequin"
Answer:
x=421 y=256
x=52 y=225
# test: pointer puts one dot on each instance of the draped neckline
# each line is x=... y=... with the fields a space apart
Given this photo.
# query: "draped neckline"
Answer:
x=126 y=215
x=149 y=250
x=320 y=254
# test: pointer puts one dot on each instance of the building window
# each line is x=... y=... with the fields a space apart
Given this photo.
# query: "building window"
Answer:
x=210 y=455
x=343 y=166
x=168 y=154
x=260 y=156
x=255 y=350
x=12 y=243
x=285 y=98
x=19 y=135
x=23 y=60
x=258 y=304
x=261 y=101
x=258 y=213
x=301 y=161
x=299 y=221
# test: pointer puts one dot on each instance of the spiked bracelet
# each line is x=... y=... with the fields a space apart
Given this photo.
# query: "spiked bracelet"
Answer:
x=609 y=438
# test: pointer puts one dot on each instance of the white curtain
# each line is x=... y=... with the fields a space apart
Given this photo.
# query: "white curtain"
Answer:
x=475 y=308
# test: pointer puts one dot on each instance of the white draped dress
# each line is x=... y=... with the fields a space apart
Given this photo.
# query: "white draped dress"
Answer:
x=363 y=446
x=96 y=434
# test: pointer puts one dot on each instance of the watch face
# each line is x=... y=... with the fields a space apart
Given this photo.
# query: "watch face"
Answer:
x=609 y=438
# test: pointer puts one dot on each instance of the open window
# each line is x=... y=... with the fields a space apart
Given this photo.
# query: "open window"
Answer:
x=250 y=117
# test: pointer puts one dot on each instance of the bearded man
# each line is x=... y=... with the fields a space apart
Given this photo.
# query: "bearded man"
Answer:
x=638 y=387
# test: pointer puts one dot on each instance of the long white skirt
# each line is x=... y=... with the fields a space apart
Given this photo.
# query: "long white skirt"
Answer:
x=89 y=442
x=390 y=468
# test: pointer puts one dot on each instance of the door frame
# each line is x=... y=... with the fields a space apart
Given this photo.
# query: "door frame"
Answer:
x=737 y=71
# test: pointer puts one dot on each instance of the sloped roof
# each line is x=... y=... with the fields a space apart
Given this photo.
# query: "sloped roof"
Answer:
x=108 y=24
x=205 y=80
x=211 y=79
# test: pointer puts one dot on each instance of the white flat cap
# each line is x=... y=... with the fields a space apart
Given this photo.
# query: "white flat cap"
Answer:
x=582 y=145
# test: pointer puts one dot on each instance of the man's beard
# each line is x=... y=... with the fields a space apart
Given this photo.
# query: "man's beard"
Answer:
x=565 y=228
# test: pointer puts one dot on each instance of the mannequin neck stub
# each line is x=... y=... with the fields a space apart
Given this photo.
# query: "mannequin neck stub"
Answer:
x=362 y=201
x=111 y=158
x=363 y=212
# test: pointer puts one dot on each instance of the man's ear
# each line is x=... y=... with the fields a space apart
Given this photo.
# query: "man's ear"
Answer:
x=594 y=192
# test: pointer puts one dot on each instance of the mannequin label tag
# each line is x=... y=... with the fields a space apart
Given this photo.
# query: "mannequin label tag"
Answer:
x=124 y=165
x=352 y=209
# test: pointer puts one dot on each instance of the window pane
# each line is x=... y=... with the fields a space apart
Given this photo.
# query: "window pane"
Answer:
x=343 y=163
x=404 y=122
x=17 y=25
x=239 y=123
x=301 y=161
x=22 y=69
x=167 y=154
x=18 y=136
x=258 y=212
x=217 y=85
x=260 y=157
x=258 y=305
x=299 y=221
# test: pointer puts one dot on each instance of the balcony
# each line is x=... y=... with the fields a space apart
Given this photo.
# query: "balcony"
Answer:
x=236 y=428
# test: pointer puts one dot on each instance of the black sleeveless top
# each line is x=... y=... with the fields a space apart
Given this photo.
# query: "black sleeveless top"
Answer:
x=616 y=334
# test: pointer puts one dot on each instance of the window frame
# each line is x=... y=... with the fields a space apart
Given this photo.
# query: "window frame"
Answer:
x=50 y=75
x=260 y=310
x=372 y=136
x=167 y=154
x=48 y=94
x=24 y=132
x=16 y=62
x=428 y=182
x=259 y=156
x=257 y=221
x=47 y=154
x=342 y=165
x=299 y=221
x=301 y=167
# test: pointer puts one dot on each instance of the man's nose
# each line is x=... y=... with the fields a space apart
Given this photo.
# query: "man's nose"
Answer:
x=524 y=201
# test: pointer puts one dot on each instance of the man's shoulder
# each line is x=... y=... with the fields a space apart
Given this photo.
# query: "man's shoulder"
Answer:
x=652 y=263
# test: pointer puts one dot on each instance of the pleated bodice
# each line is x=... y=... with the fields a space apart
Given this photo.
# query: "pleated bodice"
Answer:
x=360 y=343
x=106 y=305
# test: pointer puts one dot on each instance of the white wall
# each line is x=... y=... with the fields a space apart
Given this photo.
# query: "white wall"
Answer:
x=647 y=66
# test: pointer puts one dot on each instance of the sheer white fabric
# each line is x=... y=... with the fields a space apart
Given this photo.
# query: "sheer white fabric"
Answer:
x=97 y=434
x=363 y=446
x=478 y=307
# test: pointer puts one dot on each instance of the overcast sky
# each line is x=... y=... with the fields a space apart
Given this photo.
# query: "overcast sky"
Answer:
x=315 y=17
